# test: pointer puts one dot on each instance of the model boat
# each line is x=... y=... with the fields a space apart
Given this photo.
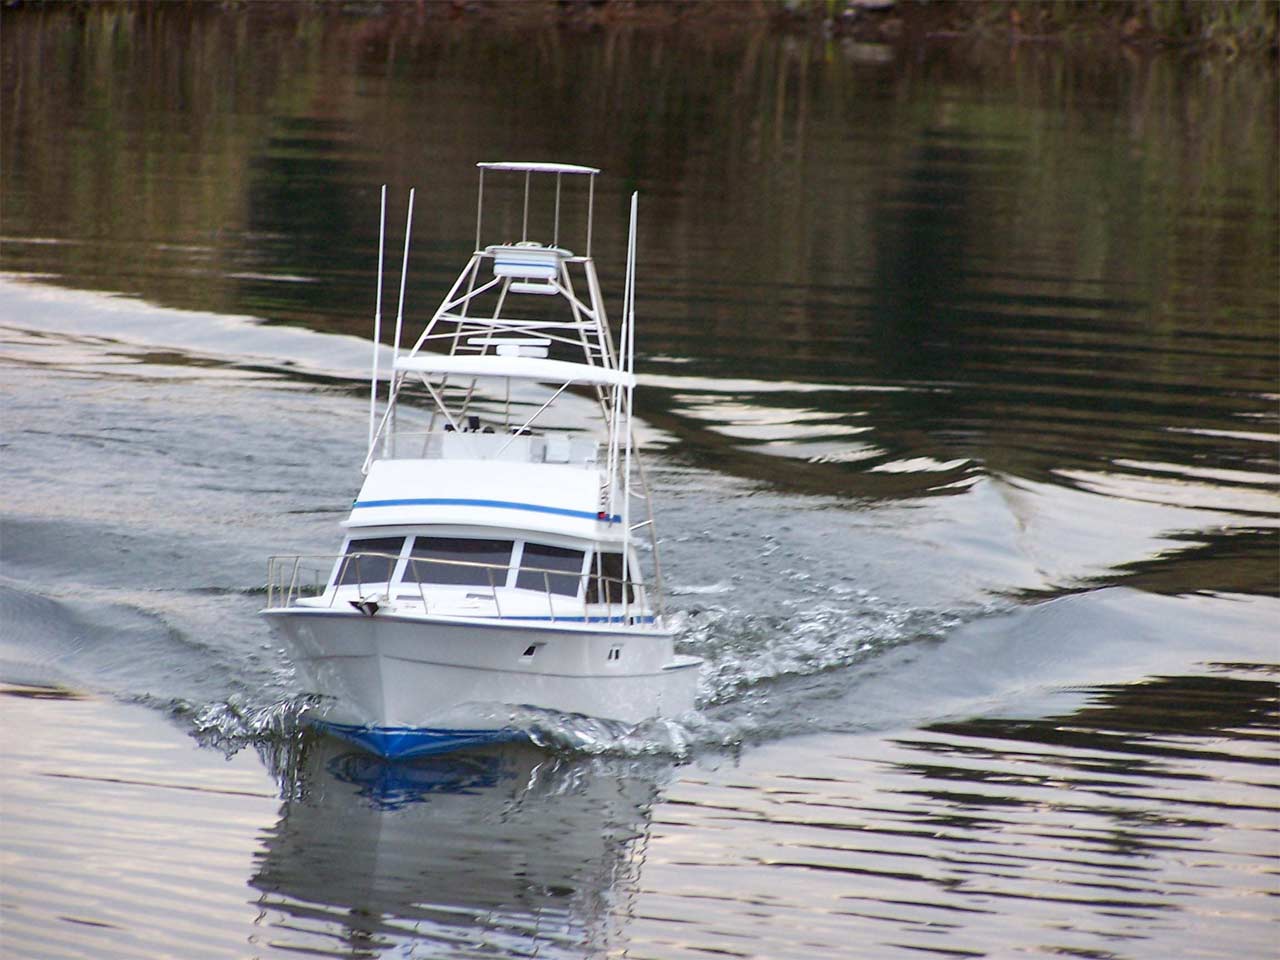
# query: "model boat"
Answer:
x=492 y=565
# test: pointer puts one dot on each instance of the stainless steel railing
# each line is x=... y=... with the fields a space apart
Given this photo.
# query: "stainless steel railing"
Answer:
x=525 y=447
x=291 y=578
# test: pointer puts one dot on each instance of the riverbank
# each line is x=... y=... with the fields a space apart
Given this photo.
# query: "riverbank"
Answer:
x=1230 y=27
x=1225 y=28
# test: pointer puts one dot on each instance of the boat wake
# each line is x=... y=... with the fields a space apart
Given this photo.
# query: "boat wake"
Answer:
x=824 y=666
x=745 y=651
x=231 y=725
x=230 y=693
x=825 y=658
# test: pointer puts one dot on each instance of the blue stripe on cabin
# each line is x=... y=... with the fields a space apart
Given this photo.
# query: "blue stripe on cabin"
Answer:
x=493 y=504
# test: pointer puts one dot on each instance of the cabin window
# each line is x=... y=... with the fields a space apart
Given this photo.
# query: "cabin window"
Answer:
x=557 y=569
x=605 y=583
x=458 y=560
x=358 y=567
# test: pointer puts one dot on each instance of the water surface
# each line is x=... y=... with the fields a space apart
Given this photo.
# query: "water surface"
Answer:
x=959 y=388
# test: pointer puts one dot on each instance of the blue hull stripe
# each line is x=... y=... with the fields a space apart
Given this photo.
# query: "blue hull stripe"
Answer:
x=493 y=504
x=399 y=743
x=648 y=619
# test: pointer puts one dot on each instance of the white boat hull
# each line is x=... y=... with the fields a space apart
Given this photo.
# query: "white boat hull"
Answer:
x=412 y=685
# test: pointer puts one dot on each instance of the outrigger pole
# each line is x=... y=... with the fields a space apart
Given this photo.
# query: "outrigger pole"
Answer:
x=627 y=364
x=404 y=270
x=377 y=318
x=395 y=350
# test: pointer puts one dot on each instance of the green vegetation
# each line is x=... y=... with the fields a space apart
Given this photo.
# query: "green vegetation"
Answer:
x=1227 y=25
x=1219 y=26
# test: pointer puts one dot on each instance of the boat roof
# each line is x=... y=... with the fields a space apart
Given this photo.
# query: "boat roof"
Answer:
x=537 y=167
x=524 y=368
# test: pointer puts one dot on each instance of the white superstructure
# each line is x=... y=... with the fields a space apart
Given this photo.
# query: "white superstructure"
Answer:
x=491 y=559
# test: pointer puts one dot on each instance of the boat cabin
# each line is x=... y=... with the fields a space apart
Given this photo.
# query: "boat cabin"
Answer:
x=477 y=572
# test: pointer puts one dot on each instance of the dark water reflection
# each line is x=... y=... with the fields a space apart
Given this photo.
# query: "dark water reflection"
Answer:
x=1057 y=264
x=1104 y=830
x=506 y=852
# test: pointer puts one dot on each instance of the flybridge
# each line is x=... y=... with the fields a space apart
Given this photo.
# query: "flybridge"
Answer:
x=499 y=324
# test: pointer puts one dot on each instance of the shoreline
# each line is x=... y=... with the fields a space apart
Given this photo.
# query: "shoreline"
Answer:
x=1229 y=28
x=1220 y=29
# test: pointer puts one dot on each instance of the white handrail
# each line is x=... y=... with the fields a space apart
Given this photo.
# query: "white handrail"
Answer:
x=521 y=368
